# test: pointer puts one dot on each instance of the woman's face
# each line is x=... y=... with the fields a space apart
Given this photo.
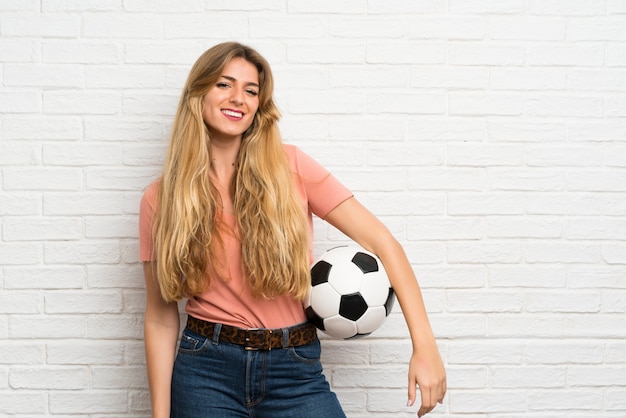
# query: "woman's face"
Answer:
x=229 y=106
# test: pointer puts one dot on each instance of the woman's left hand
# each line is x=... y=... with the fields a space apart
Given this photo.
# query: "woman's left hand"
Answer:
x=427 y=372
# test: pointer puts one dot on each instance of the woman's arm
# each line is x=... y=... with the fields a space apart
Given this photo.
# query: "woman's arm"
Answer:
x=426 y=368
x=161 y=327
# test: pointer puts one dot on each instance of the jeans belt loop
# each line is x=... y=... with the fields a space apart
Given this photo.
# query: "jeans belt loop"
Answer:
x=285 y=337
x=216 y=334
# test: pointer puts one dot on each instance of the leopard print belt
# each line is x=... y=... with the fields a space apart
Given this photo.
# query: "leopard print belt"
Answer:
x=256 y=339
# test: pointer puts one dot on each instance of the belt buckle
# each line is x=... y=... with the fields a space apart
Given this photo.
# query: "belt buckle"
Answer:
x=267 y=341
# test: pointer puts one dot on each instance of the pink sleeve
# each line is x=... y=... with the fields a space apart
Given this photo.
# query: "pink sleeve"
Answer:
x=323 y=191
x=146 y=217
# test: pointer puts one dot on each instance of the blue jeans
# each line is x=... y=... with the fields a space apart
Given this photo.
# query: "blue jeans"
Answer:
x=215 y=379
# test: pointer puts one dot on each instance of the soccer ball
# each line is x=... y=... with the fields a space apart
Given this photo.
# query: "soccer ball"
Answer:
x=350 y=293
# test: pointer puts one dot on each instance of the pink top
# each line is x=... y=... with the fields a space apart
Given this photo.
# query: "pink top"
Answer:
x=230 y=301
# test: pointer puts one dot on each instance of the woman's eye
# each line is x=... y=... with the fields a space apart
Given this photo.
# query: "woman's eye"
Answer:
x=252 y=92
x=222 y=85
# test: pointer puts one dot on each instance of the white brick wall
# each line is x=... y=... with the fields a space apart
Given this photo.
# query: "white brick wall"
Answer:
x=490 y=136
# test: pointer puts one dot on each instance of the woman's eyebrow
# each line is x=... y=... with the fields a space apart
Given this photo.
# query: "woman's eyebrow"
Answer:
x=229 y=78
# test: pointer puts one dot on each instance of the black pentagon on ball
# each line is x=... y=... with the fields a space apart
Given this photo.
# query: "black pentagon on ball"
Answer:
x=391 y=297
x=314 y=318
x=352 y=306
x=365 y=262
x=319 y=272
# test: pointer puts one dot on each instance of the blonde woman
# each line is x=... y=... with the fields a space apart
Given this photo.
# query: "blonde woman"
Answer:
x=228 y=226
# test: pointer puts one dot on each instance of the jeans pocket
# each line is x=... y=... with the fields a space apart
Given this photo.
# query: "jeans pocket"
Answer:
x=308 y=354
x=191 y=343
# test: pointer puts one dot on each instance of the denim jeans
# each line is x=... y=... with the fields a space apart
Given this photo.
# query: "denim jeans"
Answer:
x=214 y=379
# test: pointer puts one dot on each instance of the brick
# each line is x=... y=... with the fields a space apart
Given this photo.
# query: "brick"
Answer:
x=565 y=106
x=596 y=181
x=595 y=326
x=616 y=54
x=109 y=179
x=89 y=402
x=479 y=155
x=595 y=80
x=459 y=326
x=91 y=251
x=453 y=129
x=80 y=5
x=406 y=7
x=16 y=253
x=115 y=276
x=13 y=402
x=563 y=352
x=527 y=28
x=358 y=28
x=613 y=253
x=407 y=103
x=49 y=25
x=486 y=6
x=78 y=155
x=66 y=302
x=484 y=252
x=446 y=179
x=20 y=102
x=120 y=129
x=467 y=203
x=85 y=102
x=60 y=378
x=597 y=29
x=492 y=54
x=529 y=326
x=44 y=277
x=16 y=352
x=372 y=128
x=18 y=50
x=472 y=104
x=509 y=227
x=42 y=128
x=115 y=326
x=445 y=229
x=25 y=5
x=596 y=277
x=563 y=204
x=47 y=326
x=587 y=54
x=44 y=179
x=465 y=78
x=80 y=52
x=29 y=75
x=411 y=52
x=326 y=102
x=600 y=228
x=164 y=52
x=613 y=302
x=537 y=180
x=16 y=153
x=86 y=203
x=132 y=26
x=571 y=156
x=84 y=352
x=126 y=76
x=463 y=277
x=405 y=204
x=551 y=302
x=40 y=229
x=327 y=6
x=483 y=301
x=367 y=76
x=566 y=7
x=107 y=377
x=294 y=27
x=528 y=78
x=348 y=52
x=564 y=400
x=111 y=227
x=528 y=377
x=552 y=251
x=149 y=104
x=532 y=131
x=203 y=25
x=473 y=401
x=523 y=276
x=163 y=6
x=450 y=27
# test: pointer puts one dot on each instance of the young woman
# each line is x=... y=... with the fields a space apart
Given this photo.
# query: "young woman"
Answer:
x=228 y=226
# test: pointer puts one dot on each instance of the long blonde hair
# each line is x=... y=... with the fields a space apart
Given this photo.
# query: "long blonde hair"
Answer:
x=271 y=223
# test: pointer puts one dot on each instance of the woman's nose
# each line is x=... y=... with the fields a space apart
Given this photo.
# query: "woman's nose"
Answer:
x=236 y=97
